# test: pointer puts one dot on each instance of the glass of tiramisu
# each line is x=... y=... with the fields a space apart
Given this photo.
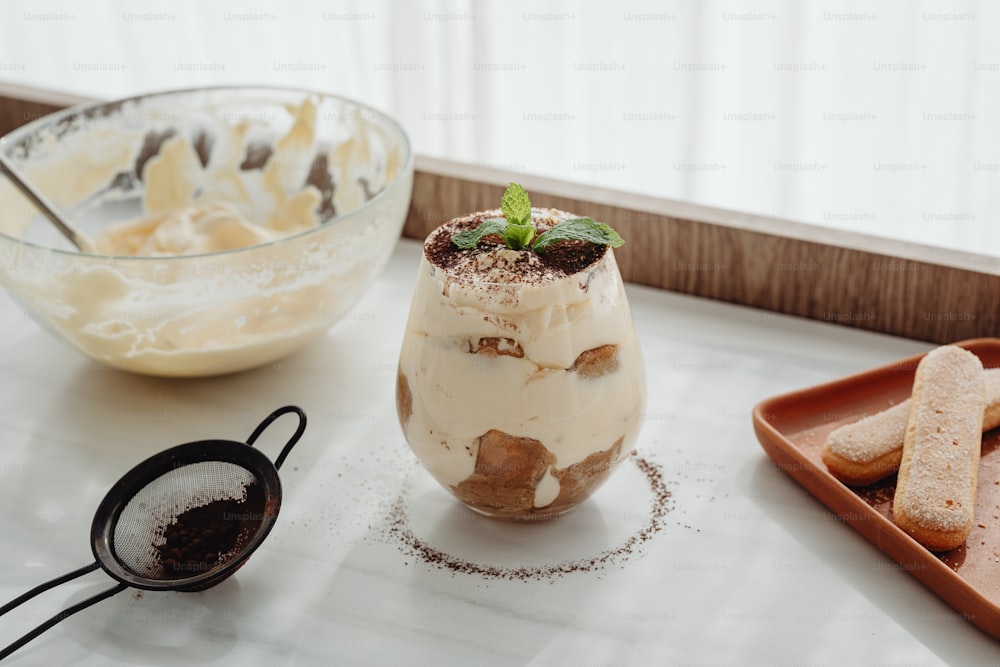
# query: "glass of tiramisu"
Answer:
x=520 y=384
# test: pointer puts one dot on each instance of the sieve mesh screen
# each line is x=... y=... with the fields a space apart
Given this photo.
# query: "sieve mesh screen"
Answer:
x=189 y=520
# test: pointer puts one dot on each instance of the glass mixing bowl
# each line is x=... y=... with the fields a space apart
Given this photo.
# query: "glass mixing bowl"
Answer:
x=257 y=149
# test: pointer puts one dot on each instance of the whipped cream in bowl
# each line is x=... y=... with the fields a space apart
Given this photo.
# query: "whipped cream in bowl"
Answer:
x=232 y=225
x=521 y=384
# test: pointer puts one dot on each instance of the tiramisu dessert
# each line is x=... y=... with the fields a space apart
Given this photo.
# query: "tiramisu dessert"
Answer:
x=521 y=384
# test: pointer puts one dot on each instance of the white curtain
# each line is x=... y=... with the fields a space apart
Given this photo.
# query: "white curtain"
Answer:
x=879 y=117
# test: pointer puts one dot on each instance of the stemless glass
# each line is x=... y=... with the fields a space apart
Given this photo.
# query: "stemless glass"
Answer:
x=520 y=397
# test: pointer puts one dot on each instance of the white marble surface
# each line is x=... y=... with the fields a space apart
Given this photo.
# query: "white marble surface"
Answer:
x=749 y=569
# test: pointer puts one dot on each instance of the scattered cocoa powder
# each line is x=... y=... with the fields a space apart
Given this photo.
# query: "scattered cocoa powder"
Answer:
x=662 y=503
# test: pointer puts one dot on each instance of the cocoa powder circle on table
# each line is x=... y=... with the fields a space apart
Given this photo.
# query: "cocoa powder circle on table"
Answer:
x=661 y=504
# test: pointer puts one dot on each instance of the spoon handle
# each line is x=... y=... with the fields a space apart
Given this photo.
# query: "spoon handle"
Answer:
x=48 y=209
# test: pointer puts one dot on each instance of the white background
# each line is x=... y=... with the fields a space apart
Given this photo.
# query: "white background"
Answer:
x=875 y=117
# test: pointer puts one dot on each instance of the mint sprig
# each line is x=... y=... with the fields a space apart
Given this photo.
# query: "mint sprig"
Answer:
x=516 y=205
x=517 y=232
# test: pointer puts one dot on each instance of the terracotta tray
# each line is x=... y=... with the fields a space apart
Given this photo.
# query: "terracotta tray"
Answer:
x=792 y=429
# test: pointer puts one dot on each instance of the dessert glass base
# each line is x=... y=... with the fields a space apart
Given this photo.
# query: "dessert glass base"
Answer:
x=521 y=385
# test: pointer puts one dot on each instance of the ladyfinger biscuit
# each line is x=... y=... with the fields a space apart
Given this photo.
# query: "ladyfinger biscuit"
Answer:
x=936 y=486
x=865 y=451
x=868 y=450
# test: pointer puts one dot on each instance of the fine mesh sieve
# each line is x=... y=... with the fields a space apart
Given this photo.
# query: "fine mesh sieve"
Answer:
x=140 y=531
x=182 y=520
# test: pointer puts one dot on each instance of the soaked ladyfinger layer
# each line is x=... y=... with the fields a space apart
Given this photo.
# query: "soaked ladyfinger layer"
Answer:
x=936 y=486
x=868 y=450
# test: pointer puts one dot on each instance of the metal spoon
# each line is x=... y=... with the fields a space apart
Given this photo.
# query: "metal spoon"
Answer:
x=48 y=209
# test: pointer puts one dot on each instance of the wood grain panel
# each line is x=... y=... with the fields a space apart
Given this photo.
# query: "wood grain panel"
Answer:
x=14 y=112
x=21 y=104
x=883 y=285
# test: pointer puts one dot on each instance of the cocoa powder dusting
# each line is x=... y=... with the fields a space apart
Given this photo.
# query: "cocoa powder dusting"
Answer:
x=559 y=260
x=661 y=504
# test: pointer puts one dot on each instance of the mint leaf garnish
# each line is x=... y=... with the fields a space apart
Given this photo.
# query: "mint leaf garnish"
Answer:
x=517 y=232
x=578 y=229
x=516 y=205
x=470 y=238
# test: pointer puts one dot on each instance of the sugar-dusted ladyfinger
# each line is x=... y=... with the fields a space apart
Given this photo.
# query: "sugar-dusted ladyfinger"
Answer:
x=868 y=450
x=936 y=486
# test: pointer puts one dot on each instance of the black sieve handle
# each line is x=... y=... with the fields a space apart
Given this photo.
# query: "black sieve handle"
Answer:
x=66 y=613
x=291 y=441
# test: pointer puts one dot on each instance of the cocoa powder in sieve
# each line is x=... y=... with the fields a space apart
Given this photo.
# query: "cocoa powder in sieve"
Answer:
x=204 y=536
